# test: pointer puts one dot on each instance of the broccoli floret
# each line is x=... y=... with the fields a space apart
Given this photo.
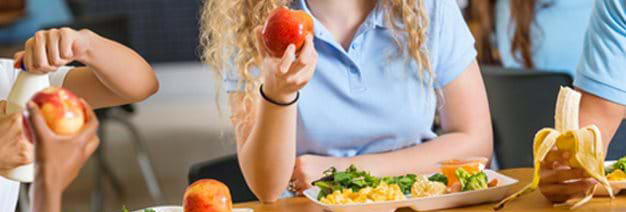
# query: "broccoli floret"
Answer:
x=439 y=178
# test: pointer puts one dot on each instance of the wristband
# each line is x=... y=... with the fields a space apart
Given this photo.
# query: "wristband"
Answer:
x=275 y=102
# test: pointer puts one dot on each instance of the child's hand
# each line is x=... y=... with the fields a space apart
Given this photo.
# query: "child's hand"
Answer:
x=559 y=181
x=59 y=158
x=284 y=77
x=50 y=49
x=15 y=148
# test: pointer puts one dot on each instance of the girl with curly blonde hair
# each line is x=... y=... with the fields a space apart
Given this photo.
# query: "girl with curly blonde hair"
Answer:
x=363 y=90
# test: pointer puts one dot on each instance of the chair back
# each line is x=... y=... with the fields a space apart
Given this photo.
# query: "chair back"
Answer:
x=521 y=103
x=227 y=171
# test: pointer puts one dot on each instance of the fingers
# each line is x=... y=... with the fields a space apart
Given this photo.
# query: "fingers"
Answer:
x=47 y=50
x=287 y=60
x=556 y=159
x=37 y=122
x=18 y=59
x=562 y=192
x=52 y=49
x=91 y=127
x=260 y=45
x=65 y=43
x=558 y=176
x=40 y=58
x=91 y=146
x=308 y=50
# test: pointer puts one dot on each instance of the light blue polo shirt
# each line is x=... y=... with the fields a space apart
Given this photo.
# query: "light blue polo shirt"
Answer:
x=558 y=34
x=366 y=99
x=602 y=69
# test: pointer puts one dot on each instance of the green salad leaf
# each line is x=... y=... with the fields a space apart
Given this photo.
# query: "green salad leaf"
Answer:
x=471 y=182
x=439 y=178
x=404 y=182
x=351 y=178
x=620 y=164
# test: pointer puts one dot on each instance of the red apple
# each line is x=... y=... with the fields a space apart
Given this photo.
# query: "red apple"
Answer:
x=207 y=195
x=284 y=27
x=63 y=111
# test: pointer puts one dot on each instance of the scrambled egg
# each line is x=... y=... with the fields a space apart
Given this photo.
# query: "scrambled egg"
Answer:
x=617 y=175
x=382 y=192
x=425 y=188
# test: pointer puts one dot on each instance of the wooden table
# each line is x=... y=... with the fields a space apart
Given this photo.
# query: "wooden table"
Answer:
x=531 y=202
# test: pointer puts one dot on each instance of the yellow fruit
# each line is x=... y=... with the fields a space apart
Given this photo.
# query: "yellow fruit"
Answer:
x=583 y=144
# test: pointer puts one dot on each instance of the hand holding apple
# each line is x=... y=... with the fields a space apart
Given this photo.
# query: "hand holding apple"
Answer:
x=15 y=148
x=285 y=27
x=63 y=111
x=207 y=195
x=284 y=77
x=58 y=158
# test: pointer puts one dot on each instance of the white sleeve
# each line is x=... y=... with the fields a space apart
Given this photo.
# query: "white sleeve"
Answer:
x=9 y=191
x=58 y=77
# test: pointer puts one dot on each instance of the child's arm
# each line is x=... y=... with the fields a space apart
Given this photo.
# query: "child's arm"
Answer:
x=114 y=74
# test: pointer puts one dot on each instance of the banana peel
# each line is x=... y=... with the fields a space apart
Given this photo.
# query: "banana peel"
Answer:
x=585 y=144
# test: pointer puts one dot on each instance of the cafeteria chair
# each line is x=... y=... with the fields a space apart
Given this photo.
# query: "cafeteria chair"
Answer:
x=521 y=103
x=617 y=148
x=226 y=170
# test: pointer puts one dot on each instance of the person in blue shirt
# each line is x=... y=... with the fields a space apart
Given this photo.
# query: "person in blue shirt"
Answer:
x=39 y=14
x=545 y=35
x=363 y=90
x=601 y=77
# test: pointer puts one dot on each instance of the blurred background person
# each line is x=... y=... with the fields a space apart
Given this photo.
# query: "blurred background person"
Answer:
x=544 y=35
x=535 y=35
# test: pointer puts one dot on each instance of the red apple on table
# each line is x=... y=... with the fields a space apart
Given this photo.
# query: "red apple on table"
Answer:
x=63 y=111
x=207 y=195
x=284 y=27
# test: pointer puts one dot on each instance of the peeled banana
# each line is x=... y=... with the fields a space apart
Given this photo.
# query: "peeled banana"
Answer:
x=585 y=144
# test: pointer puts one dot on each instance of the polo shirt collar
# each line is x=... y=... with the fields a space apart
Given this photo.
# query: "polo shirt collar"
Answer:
x=375 y=19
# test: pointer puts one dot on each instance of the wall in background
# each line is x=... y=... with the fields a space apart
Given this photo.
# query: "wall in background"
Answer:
x=160 y=30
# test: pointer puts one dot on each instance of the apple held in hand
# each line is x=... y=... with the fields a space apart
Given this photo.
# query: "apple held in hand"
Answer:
x=63 y=111
x=207 y=195
x=284 y=27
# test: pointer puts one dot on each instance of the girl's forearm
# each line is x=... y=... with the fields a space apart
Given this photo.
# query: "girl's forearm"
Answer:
x=119 y=68
x=267 y=157
x=424 y=157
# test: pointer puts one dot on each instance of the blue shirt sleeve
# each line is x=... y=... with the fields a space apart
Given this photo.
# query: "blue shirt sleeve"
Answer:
x=602 y=70
x=452 y=48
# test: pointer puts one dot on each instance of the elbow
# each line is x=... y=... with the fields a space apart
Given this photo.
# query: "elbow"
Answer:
x=265 y=194
x=151 y=88
x=267 y=199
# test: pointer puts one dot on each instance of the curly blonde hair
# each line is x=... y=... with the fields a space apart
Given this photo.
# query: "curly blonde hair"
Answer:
x=228 y=39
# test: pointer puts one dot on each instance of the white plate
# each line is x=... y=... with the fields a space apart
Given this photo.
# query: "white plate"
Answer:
x=428 y=203
x=616 y=185
x=180 y=209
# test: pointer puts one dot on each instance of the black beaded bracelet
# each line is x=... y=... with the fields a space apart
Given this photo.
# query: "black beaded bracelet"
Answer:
x=275 y=102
